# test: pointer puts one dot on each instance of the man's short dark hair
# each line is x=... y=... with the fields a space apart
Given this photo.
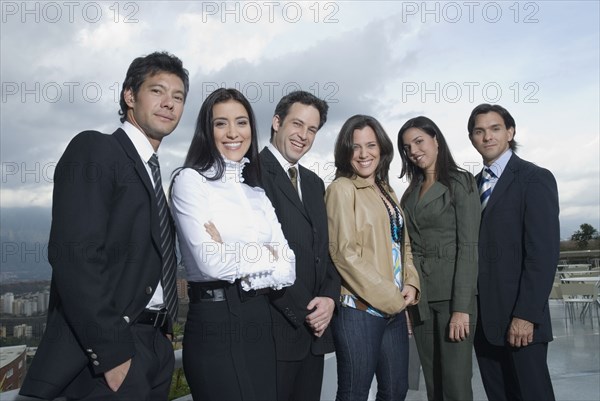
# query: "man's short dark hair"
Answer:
x=306 y=98
x=148 y=66
x=485 y=108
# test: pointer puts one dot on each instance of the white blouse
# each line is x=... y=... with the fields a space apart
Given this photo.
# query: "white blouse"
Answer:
x=248 y=226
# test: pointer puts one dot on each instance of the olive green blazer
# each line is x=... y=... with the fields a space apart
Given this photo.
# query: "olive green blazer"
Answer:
x=443 y=226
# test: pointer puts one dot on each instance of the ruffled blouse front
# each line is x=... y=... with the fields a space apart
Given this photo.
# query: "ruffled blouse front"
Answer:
x=254 y=248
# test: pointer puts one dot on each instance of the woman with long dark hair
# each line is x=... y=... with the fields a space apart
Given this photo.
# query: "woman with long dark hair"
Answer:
x=442 y=215
x=233 y=250
x=371 y=251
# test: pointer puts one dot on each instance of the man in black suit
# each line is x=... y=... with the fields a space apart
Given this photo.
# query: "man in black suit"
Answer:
x=112 y=301
x=302 y=312
x=518 y=253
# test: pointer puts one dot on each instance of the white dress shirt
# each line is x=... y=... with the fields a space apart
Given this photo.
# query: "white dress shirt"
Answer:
x=145 y=150
x=246 y=222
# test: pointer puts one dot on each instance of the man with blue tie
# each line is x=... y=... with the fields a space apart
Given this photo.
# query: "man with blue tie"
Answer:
x=518 y=252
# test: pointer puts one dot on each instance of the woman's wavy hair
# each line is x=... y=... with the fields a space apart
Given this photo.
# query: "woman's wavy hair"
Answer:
x=344 y=147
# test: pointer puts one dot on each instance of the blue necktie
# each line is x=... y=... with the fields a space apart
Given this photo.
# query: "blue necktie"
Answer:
x=485 y=186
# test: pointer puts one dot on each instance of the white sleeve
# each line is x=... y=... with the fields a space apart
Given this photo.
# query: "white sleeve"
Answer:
x=216 y=261
x=284 y=274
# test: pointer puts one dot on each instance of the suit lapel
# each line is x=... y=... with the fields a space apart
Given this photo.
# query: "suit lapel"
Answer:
x=411 y=205
x=313 y=201
x=416 y=206
x=434 y=192
x=507 y=177
x=282 y=181
x=310 y=193
x=142 y=174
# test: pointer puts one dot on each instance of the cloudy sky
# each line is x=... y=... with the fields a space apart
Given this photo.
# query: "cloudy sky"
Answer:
x=62 y=65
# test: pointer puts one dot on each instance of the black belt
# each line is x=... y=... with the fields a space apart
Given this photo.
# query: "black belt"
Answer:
x=216 y=291
x=156 y=318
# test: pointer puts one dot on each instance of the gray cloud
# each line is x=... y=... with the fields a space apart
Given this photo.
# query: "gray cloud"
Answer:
x=350 y=63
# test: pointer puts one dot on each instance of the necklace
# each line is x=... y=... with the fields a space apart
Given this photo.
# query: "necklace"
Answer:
x=393 y=214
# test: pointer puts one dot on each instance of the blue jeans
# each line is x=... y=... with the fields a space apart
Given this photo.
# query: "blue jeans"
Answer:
x=366 y=345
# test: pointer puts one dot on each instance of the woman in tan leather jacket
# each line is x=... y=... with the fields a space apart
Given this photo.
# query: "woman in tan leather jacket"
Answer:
x=371 y=250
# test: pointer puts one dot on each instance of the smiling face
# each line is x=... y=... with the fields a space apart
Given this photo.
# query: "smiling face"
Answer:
x=490 y=136
x=366 y=153
x=295 y=135
x=421 y=148
x=157 y=106
x=231 y=129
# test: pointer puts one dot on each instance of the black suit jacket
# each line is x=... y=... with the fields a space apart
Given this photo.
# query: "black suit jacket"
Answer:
x=519 y=242
x=304 y=225
x=106 y=261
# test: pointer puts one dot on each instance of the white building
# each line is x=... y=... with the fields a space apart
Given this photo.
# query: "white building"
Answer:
x=7 y=305
x=18 y=308
x=22 y=331
x=42 y=301
x=30 y=307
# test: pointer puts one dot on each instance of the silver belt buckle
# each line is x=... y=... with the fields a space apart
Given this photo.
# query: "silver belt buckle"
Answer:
x=218 y=295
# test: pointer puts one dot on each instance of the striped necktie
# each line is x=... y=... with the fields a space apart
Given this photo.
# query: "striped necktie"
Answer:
x=169 y=270
x=485 y=186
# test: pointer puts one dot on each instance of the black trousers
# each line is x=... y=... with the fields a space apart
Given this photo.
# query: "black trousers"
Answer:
x=300 y=380
x=149 y=376
x=510 y=373
x=228 y=349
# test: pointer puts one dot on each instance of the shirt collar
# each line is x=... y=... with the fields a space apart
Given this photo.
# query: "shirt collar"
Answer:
x=140 y=142
x=232 y=164
x=361 y=182
x=282 y=161
x=499 y=165
x=233 y=170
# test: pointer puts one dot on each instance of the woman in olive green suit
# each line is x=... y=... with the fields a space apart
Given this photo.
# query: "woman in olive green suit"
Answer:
x=442 y=215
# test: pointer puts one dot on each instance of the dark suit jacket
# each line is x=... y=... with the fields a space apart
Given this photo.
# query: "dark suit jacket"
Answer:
x=304 y=225
x=518 y=251
x=105 y=254
x=443 y=227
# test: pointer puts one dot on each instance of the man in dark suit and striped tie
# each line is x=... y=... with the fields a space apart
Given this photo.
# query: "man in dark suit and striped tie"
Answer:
x=518 y=253
x=113 y=294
